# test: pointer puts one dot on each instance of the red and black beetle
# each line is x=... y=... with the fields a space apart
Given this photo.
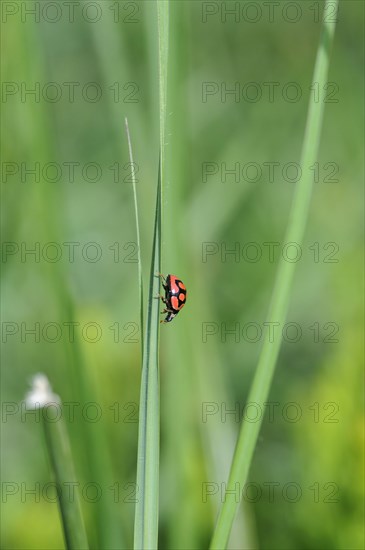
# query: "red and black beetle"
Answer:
x=175 y=296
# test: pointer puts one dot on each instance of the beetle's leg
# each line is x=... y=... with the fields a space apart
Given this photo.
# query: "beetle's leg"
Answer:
x=163 y=279
x=157 y=274
x=162 y=298
x=166 y=310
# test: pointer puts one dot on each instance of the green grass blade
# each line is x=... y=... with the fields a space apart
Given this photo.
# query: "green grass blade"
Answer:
x=163 y=38
x=146 y=517
x=59 y=450
x=140 y=278
x=281 y=294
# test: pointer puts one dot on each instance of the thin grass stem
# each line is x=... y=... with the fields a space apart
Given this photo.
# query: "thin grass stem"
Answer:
x=140 y=277
x=147 y=506
x=59 y=450
x=281 y=294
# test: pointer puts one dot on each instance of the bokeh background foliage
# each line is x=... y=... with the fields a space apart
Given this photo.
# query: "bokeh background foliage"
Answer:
x=193 y=372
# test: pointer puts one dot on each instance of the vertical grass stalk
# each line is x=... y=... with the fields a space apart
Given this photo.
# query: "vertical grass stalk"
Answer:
x=146 y=516
x=140 y=278
x=163 y=39
x=280 y=299
x=147 y=506
x=59 y=450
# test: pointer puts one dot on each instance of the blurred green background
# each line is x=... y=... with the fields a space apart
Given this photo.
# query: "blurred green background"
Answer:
x=89 y=65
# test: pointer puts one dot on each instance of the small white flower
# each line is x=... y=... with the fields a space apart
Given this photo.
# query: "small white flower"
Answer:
x=41 y=393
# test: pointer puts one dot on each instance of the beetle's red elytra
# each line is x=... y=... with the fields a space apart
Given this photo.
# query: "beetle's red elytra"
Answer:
x=175 y=296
